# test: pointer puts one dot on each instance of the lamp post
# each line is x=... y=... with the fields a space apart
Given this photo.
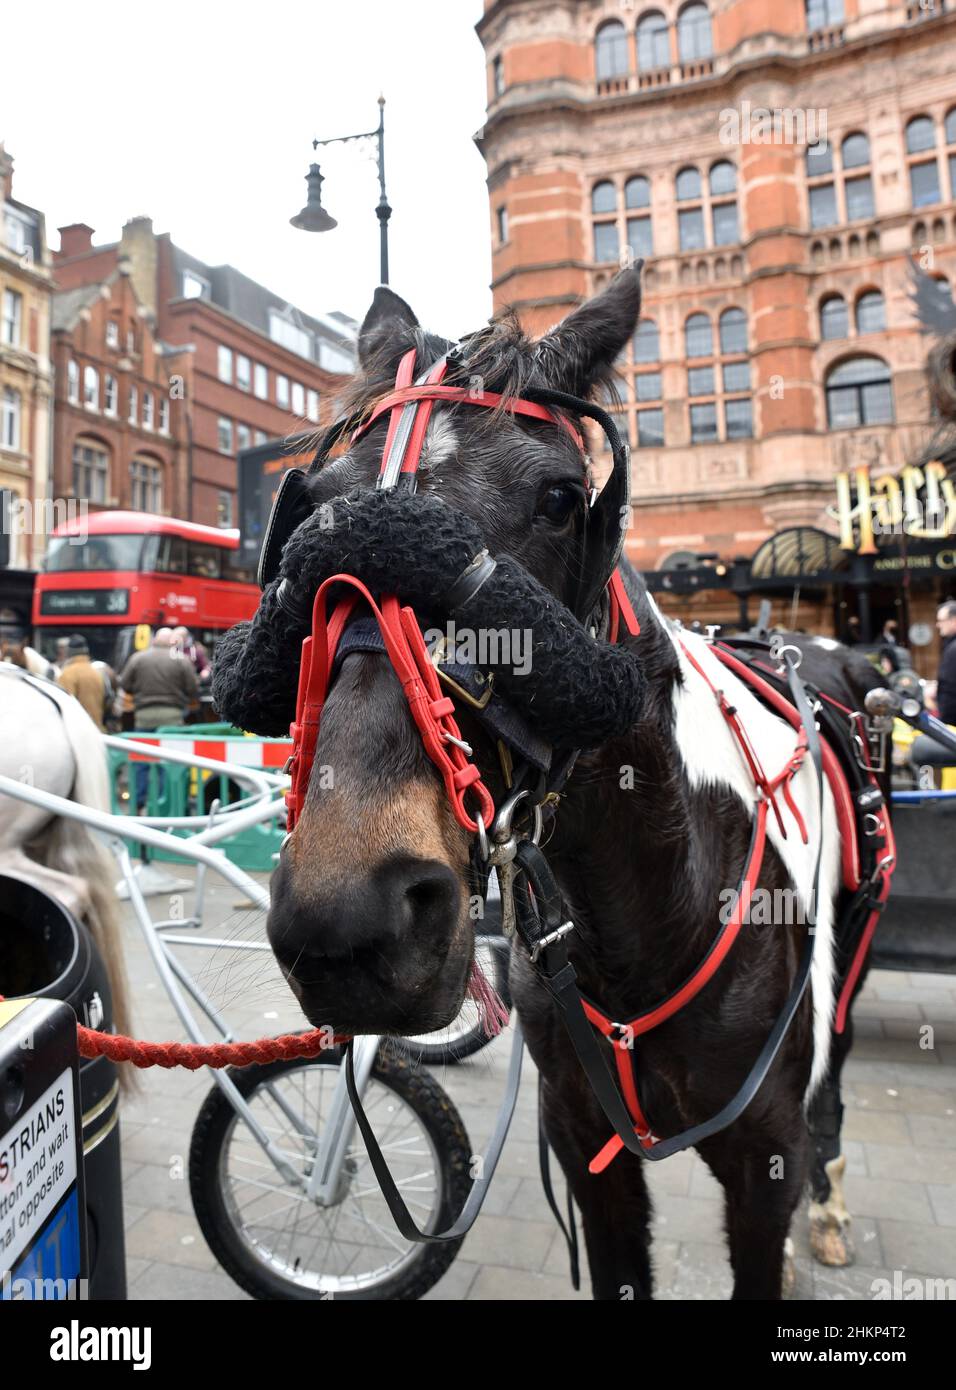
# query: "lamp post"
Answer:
x=314 y=218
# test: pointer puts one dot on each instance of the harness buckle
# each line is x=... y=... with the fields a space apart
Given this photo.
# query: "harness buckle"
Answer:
x=550 y=939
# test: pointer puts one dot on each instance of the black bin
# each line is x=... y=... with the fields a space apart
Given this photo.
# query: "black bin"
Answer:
x=45 y=953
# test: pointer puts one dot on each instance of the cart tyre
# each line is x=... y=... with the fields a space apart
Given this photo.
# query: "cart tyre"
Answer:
x=435 y=1112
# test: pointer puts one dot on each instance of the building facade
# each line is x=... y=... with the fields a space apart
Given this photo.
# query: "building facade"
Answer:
x=120 y=438
x=25 y=395
x=778 y=167
x=253 y=366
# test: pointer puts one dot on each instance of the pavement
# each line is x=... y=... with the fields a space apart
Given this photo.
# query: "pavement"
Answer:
x=899 y=1132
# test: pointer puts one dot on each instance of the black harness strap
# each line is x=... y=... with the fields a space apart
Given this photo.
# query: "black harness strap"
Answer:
x=558 y=975
x=487 y=1164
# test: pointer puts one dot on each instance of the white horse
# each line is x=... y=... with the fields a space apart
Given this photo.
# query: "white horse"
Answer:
x=49 y=741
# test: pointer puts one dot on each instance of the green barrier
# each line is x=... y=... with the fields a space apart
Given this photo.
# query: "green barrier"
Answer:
x=172 y=789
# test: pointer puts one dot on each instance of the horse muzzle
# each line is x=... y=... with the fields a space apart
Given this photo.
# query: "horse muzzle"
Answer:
x=386 y=951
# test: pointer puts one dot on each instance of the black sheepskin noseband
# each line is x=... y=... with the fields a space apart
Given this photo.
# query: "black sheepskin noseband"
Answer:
x=577 y=691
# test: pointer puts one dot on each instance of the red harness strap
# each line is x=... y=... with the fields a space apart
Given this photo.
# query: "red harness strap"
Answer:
x=621 y=1035
x=432 y=711
x=846 y=821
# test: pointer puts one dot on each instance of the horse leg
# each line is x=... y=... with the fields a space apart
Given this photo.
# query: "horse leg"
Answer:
x=830 y=1238
x=614 y=1205
x=763 y=1177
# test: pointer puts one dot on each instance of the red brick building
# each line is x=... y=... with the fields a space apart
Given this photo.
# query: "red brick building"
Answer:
x=252 y=366
x=777 y=166
x=119 y=421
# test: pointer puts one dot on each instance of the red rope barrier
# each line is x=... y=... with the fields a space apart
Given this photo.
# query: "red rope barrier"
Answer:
x=192 y=1056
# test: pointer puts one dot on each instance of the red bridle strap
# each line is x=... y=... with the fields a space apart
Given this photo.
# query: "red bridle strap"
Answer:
x=432 y=711
x=429 y=393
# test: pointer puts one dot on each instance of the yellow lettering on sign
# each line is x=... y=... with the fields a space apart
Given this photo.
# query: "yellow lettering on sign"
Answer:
x=862 y=512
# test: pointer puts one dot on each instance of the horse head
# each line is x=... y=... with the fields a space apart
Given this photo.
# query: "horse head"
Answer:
x=372 y=910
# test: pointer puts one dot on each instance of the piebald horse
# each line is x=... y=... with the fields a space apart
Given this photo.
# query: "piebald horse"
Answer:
x=370 y=910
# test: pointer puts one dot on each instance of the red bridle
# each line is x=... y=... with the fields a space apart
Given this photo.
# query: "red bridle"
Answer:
x=410 y=408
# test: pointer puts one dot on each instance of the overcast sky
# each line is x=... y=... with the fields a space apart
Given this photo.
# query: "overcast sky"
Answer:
x=202 y=116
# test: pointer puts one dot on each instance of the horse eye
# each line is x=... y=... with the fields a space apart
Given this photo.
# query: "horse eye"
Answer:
x=558 y=503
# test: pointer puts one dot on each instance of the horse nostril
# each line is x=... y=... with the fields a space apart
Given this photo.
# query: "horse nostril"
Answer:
x=431 y=898
x=405 y=902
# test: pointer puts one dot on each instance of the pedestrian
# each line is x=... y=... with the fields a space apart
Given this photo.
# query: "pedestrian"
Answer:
x=925 y=751
x=892 y=655
x=15 y=650
x=163 y=686
x=193 y=651
x=84 y=681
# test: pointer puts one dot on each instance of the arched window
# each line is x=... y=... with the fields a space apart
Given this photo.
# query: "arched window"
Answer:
x=855 y=150
x=604 y=197
x=723 y=215
x=690 y=220
x=924 y=173
x=733 y=332
x=822 y=189
x=920 y=135
x=640 y=237
x=72 y=382
x=688 y=185
x=819 y=160
x=647 y=346
x=834 y=318
x=723 y=178
x=604 y=204
x=698 y=337
x=146 y=484
x=693 y=32
x=857 y=191
x=824 y=14
x=653 y=46
x=91 y=470
x=859 y=392
x=91 y=388
x=637 y=192
x=610 y=51
x=870 y=312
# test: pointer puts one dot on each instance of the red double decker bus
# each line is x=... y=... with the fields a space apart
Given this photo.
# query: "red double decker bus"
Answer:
x=110 y=574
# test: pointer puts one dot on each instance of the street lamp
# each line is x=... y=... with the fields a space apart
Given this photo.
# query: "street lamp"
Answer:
x=314 y=218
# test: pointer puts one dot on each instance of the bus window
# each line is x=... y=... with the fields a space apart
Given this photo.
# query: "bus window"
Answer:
x=204 y=560
x=171 y=555
x=237 y=568
x=93 y=554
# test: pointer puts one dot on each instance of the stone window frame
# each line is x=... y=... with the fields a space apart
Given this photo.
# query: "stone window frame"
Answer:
x=717 y=359
x=147 y=483
x=858 y=387
x=620 y=216
x=922 y=156
x=837 y=177
x=90 y=475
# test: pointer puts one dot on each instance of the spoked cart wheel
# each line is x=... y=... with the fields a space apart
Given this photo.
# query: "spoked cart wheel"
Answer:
x=278 y=1244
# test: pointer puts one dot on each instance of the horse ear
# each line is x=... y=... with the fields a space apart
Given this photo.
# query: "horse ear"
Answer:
x=585 y=344
x=387 y=318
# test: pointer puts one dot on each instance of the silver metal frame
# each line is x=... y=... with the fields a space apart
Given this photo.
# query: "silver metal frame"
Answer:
x=263 y=803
